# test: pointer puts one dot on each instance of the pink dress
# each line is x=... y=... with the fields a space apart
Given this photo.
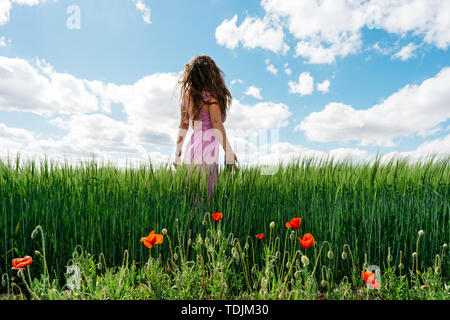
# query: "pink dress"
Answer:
x=202 y=150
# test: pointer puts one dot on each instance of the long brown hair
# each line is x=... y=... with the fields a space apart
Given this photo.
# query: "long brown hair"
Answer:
x=202 y=73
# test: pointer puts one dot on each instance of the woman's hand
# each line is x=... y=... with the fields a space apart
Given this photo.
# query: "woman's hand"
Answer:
x=177 y=161
x=229 y=157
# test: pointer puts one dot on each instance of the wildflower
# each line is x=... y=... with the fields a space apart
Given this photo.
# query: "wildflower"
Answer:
x=164 y=231
x=307 y=241
x=421 y=233
x=21 y=263
x=152 y=239
x=272 y=225
x=369 y=278
x=305 y=261
x=260 y=236
x=217 y=216
x=294 y=223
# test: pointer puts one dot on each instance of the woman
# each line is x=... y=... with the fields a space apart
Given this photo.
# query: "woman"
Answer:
x=205 y=101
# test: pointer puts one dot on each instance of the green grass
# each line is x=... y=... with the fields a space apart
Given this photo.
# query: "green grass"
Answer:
x=369 y=207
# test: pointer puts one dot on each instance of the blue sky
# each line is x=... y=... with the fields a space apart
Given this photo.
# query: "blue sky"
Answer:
x=106 y=87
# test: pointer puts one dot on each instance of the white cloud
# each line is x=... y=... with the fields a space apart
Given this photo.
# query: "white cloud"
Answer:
x=340 y=35
x=271 y=68
x=305 y=85
x=39 y=89
x=254 y=92
x=144 y=9
x=234 y=81
x=252 y=33
x=381 y=50
x=323 y=86
x=440 y=148
x=3 y=41
x=414 y=109
x=6 y=6
x=287 y=70
x=406 y=52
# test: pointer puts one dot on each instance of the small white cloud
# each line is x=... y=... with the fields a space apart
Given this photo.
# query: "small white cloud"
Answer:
x=234 y=81
x=252 y=33
x=3 y=41
x=323 y=86
x=305 y=85
x=406 y=52
x=254 y=92
x=381 y=50
x=287 y=70
x=271 y=68
x=145 y=10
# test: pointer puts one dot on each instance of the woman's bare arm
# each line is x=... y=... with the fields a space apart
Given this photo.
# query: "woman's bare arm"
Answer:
x=182 y=131
x=216 y=119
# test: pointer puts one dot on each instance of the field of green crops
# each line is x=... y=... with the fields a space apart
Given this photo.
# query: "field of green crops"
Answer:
x=369 y=208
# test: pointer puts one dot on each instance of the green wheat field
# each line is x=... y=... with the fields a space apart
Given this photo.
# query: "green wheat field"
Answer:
x=93 y=216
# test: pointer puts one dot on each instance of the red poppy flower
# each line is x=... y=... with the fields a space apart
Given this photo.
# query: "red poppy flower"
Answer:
x=294 y=223
x=369 y=278
x=152 y=239
x=21 y=263
x=260 y=236
x=217 y=216
x=307 y=241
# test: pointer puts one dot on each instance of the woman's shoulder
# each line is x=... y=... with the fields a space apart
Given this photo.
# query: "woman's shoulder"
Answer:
x=208 y=94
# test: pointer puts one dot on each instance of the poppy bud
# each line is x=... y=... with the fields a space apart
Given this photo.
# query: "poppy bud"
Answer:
x=437 y=270
x=246 y=246
x=243 y=255
x=401 y=266
x=266 y=296
x=288 y=265
x=200 y=240
x=175 y=256
x=99 y=265
x=444 y=246
x=206 y=241
x=305 y=261
x=414 y=255
x=344 y=255
x=189 y=242
x=164 y=231
x=292 y=236
x=421 y=233
x=20 y=273
x=204 y=222
x=323 y=283
x=423 y=287
x=254 y=270
x=36 y=252
x=297 y=274
x=272 y=225
x=34 y=233
x=330 y=255
x=219 y=233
